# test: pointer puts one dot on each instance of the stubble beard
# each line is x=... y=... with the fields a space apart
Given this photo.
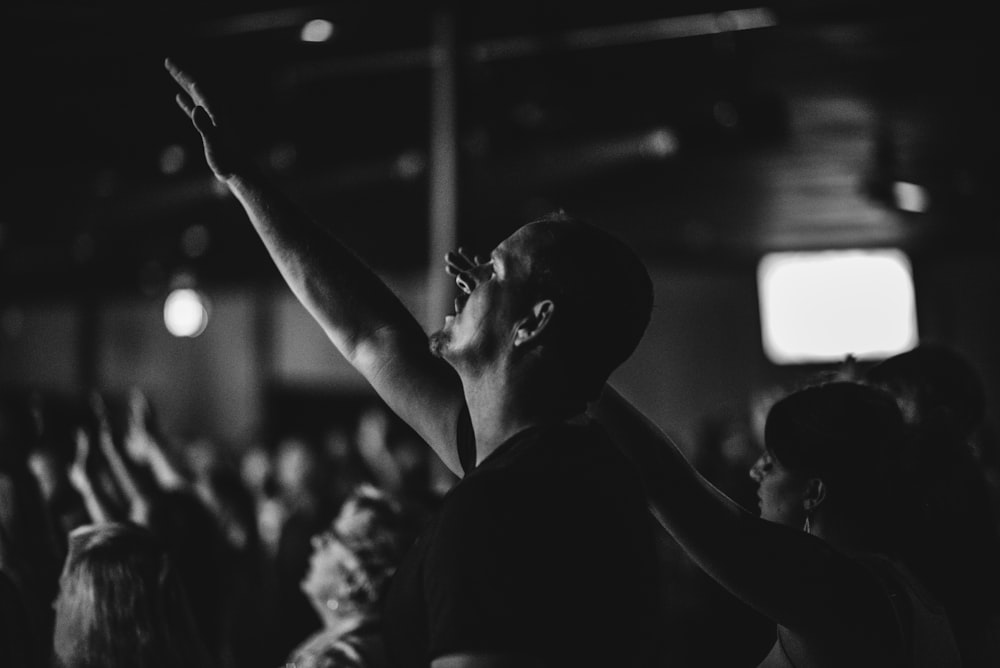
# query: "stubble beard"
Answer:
x=438 y=342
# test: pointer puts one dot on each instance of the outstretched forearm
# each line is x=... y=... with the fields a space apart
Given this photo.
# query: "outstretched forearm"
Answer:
x=137 y=501
x=363 y=318
x=681 y=499
x=347 y=299
x=359 y=313
x=92 y=503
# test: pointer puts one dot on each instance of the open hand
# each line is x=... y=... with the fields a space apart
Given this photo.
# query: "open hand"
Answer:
x=222 y=156
x=139 y=436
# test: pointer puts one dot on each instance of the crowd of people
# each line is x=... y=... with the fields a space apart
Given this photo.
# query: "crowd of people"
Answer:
x=224 y=560
x=877 y=534
x=577 y=533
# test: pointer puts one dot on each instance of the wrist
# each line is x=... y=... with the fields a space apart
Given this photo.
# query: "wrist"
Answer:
x=243 y=176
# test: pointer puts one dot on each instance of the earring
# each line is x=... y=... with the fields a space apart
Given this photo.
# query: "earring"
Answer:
x=807 y=527
x=332 y=604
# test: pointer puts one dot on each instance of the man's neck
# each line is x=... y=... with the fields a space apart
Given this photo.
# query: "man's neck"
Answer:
x=502 y=405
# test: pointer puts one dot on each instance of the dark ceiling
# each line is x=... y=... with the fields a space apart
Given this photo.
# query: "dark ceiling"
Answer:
x=789 y=135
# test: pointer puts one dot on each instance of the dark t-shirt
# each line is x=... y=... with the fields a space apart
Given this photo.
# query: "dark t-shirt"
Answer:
x=545 y=549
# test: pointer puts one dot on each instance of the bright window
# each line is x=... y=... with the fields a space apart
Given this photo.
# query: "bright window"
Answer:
x=821 y=306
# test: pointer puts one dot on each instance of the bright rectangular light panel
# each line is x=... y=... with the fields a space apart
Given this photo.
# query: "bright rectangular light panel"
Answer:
x=821 y=306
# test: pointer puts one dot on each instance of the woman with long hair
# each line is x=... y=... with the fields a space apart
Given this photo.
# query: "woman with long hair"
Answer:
x=122 y=605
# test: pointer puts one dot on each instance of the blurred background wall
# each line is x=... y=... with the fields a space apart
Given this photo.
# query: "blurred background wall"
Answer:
x=706 y=134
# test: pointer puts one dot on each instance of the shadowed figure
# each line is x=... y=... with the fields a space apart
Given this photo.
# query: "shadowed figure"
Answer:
x=957 y=537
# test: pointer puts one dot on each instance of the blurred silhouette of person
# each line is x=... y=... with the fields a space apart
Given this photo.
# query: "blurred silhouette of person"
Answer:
x=958 y=531
x=152 y=492
x=29 y=565
x=246 y=572
x=257 y=473
x=500 y=576
x=16 y=634
x=300 y=481
x=398 y=461
x=48 y=461
x=346 y=467
x=122 y=605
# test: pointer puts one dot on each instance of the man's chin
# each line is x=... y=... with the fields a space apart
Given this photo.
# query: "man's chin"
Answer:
x=438 y=343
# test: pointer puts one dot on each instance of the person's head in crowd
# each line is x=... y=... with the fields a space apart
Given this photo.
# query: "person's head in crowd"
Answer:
x=257 y=470
x=943 y=401
x=353 y=559
x=829 y=461
x=957 y=541
x=565 y=302
x=201 y=456
x=30 y=549
x=338 y=444
x=297 y=472
x=413 y=460
x=121 y=604
x=933 y=383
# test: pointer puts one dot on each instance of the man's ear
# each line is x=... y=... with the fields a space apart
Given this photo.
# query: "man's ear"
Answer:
x=529 y=328
x=815 y=494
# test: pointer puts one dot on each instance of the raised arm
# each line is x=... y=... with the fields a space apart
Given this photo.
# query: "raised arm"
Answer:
x=138 y=503
x=144 y=443
x=362 y=317
x=796 y=579
x=80 y=478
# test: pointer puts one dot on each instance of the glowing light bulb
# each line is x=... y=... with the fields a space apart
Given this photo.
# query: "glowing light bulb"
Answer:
x=317 y=30
x=822 y=306
x=172 y=159
x=185 y=313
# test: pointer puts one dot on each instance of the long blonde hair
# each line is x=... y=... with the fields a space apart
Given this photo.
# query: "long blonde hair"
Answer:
x=122 y=605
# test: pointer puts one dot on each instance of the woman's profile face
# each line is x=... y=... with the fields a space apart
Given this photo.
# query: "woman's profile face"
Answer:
x=780 y=491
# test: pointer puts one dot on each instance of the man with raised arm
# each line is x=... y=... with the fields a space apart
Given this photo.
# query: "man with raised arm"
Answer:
x=542 y=555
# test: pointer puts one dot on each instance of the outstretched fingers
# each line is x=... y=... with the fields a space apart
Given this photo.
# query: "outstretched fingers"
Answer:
x=185 y=103
x=458 y=261
x=192 y=97
x=184 y=80
x=221 y=153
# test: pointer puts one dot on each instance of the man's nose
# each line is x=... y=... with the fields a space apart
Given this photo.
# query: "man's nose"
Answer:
x=756 y=471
